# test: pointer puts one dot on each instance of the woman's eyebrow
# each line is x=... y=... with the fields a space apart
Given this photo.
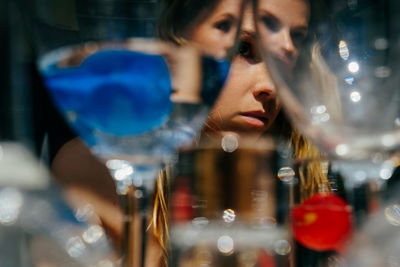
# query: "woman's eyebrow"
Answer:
x=227 y=15
x=300 y=29
x=265 y=13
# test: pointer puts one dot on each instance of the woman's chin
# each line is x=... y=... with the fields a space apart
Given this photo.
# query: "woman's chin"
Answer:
x=246 y=131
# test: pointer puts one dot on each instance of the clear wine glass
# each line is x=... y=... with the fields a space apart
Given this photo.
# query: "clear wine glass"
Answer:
x=378 y=241
x=134 y=100
x=342 y=91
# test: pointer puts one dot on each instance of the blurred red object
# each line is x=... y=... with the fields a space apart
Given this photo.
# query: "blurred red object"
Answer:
x=322 y=222
x=265 y=259
x=182 y=203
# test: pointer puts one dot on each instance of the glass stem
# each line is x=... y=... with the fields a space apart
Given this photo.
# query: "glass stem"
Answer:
x=135 y=204
x=135 y=184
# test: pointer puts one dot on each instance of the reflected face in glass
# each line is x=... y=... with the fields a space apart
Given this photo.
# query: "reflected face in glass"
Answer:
x=247 y=104
x=283 y=26
x=217 y=30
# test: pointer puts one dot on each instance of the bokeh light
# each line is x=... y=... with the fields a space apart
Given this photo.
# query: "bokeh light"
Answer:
x=93 y=234
x=11 y=201
x=355 y=96
x=342 y=149
x=353 y=67
x=392 y=214
x=381 y=43
x=343 y=50
x=75 y=247
x=229 y=142
x=286 y=174
x=225 y=244
x=382 y=72
x=282 y=247
x=229 y=215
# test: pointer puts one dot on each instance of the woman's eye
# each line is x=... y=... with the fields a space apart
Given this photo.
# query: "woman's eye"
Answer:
x=224 y=25
x=245 y=49
x=298 y=38
x=271 y=23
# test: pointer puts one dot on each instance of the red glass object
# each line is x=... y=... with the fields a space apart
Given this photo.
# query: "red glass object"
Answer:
x=322 y=222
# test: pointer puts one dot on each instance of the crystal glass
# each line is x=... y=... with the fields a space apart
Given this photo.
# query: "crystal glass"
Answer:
x=132 y=98
x=36 y=224
x=341 y=90
x=377 y=242
x=118 y=97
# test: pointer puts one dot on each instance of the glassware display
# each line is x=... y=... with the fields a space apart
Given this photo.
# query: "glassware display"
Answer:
x=132 y=98
x=119 y=99
x=229 y=208
x=113 y=93
x=337 y=79
x=136 y=80
x=342 y=90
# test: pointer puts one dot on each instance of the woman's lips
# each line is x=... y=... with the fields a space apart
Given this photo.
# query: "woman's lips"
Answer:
x=255 y=120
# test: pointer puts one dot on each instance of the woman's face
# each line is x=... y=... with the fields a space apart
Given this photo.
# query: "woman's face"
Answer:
x=218 y=30
x=283 y=26
x=248 y=104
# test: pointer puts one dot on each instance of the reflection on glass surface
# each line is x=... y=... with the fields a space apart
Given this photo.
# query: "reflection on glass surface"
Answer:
x=286 y=174
x=343 y=50
x=347 y=62
x=75 y=247
x=93 y=234
x=229 y=142
x=392 y=214
x=355 y=96
x=225 y=245
x=282 y=247
x=11 y=201
x=353 y=67
x=229 y=216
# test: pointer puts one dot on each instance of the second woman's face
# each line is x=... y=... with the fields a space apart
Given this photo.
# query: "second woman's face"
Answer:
x=248 y=104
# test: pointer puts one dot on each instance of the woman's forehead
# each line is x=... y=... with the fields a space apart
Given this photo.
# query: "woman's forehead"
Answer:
x=228 y=6
x=293 y=12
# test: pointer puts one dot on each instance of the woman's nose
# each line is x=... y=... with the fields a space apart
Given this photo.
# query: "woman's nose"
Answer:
x=264 y=88
x=286 y=44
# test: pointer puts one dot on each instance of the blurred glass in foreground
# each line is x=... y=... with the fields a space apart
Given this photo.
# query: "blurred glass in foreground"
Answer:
x=36 y=225
x=338 y=78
